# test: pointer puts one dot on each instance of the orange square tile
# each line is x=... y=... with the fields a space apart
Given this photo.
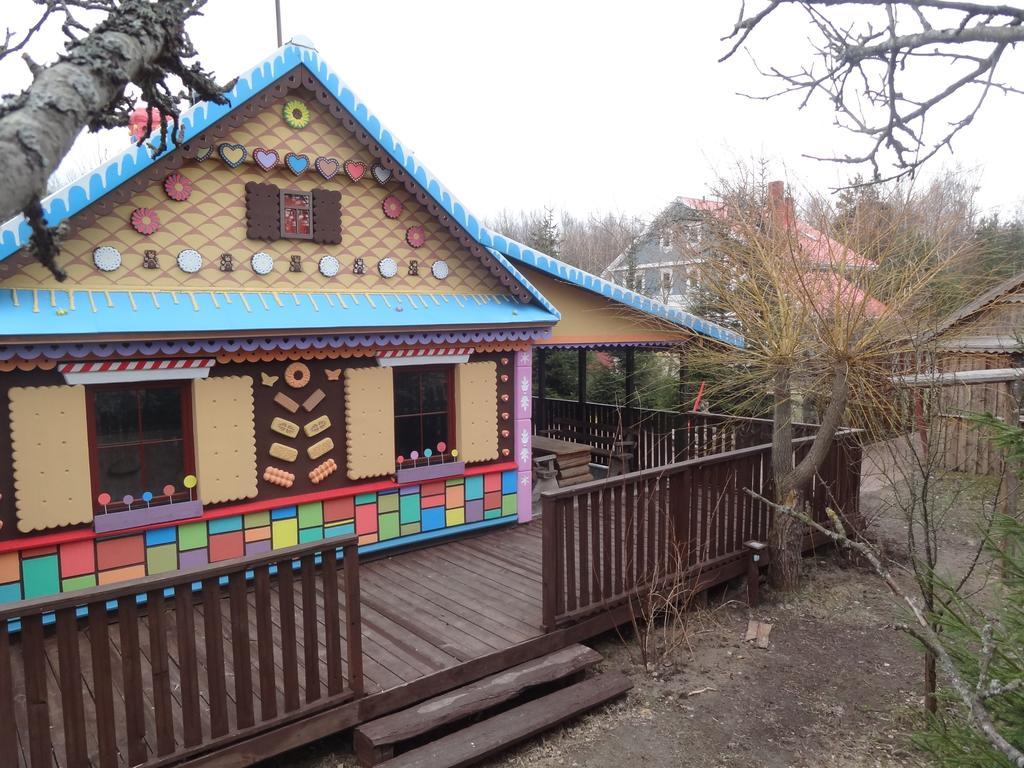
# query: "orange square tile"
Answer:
x=10 y=567
x=122 y=574
x=257 y=534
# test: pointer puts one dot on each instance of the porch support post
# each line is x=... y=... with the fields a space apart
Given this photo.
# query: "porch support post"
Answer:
x=630 y=414
x=540 y=418
x=581 y=376
x=522 y=435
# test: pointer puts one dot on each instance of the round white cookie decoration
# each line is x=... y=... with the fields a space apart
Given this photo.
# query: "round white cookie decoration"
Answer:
x=439 y=269
x=106 y=258
x=387 y=267
x=190 y=261
x=262 y=263
x=329 y=266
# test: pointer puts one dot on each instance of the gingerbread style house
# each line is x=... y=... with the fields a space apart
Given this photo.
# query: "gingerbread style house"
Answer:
x=280 y=330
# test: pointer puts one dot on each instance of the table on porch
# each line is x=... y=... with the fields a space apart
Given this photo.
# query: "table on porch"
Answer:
x=571 y=460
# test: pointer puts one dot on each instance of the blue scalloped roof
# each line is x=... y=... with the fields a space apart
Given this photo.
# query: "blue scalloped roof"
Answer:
x=80 y=312
x=77 y=195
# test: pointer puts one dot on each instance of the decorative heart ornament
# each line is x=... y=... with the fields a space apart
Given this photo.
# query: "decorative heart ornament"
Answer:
x=355 y=169
x=265 y=158
x=327 y=167
x=297 y=164
x=202 y=154
x=232 y=154
x=380 y=174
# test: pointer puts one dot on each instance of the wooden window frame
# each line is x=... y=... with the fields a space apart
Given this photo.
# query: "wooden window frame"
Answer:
x=184 y=386
x=309 y=196
x=449 y=371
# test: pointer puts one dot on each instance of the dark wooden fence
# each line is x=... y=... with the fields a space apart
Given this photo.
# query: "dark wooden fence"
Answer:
x=608 y=540
x=185 y=670
x=660 y=437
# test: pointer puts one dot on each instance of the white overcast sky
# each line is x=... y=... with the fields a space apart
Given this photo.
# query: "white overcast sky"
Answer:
x=584 y=106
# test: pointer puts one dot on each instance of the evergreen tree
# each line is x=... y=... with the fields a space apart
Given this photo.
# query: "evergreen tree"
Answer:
x=544 y=236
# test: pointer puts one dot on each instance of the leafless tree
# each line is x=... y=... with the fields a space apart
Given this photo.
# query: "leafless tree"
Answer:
x=891 y=69
x=136 y=42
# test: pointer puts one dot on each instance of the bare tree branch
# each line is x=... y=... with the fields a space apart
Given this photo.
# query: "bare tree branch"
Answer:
x=861 y=69
x=139 y=42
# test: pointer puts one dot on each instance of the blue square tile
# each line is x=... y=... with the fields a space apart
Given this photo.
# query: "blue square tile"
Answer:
x=284 y=513
x=161 y=536
x=508 y=482
x=432 y=519
x=475 y=487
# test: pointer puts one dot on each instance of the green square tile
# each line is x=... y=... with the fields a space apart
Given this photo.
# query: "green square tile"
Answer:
x=311 y=514
x=40 y=576
x=366 y=498
x=161 y=559
x=387 y=502
x=310 y=534
x=508 y=504
x=388 y=526
x=78 y=582
x=492 y=514
x=409 y=529
x=192 y=535
x=454 y=481
x=257 y=520
x=409 y=508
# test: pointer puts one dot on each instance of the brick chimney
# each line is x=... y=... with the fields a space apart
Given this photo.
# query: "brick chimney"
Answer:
x=780 y=205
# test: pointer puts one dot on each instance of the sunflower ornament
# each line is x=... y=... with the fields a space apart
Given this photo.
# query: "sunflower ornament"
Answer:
x=296 y=113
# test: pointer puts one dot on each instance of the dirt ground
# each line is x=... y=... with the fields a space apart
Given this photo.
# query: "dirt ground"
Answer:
x=837 y=687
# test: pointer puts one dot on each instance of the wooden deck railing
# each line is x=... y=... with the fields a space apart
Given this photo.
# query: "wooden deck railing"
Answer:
x=128 y=690
x=606 y=541
x=662 y=437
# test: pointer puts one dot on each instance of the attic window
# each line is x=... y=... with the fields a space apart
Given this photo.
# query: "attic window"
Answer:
x=296 y=215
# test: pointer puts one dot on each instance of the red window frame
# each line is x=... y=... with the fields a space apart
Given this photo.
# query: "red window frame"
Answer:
x=184 y=388
x=449 y=411
x=308 y=208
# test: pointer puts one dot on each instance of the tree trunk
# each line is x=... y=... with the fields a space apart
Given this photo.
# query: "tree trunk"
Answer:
x=931 y=701
x=786 y=531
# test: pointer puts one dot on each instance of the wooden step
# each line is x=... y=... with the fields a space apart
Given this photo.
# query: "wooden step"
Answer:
x=374 y=741
x=489 y=737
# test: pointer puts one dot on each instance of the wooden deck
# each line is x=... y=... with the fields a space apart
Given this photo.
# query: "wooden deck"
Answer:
x=440 y=616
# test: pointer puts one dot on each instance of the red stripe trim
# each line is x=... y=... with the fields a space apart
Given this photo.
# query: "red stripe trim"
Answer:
x=135 y=365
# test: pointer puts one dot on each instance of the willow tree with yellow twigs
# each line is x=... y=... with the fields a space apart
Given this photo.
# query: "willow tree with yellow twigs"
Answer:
x=823 y=328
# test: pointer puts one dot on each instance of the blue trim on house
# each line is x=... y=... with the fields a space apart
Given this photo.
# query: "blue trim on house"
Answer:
x=87 y=312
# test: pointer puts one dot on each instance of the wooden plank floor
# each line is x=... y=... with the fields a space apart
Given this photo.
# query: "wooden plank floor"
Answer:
x=423 y=611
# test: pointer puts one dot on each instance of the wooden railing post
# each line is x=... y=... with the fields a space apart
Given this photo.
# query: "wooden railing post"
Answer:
x=549 y=561
x=354 y=624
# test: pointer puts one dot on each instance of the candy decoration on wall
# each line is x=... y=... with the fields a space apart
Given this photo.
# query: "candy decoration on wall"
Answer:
x=333 y=374
x=190 y=261
x=297 y=164
x=276 y=476
x=322 y=471
x=355 y=169
x=415 y=236
x=203 y=154
x=190 y=482
x=439 y=269
x=106 y=258
x=268 y=380
x=296 y=375
x=329 y=266
x=359 y=266
x=414 y=268
x=266 y=159
x=227 y=262
x=295 y=263
x=380 y=174
x=296 y=113
x=233 y=155
x=145 y=221
x=327 y=167
x=103 y=500
x=392 y=207
x=262 y=263
x=177 y=187
x=387 y=267
x=149 y=260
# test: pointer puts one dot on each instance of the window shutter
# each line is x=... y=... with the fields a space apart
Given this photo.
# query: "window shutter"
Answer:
x=326 y=216
x=50 y=446
x=369 y=422
x=262 y=211
x=476 y=411
x=225 y=438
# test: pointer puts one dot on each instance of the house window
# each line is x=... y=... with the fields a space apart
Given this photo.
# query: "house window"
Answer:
x=296 y=215
x=422 y=410
x=142 y=442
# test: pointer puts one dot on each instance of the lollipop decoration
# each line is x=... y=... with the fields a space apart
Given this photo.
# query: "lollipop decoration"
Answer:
x=128 y=499
x=147 y=496
x=190 y=483
x=103 y=499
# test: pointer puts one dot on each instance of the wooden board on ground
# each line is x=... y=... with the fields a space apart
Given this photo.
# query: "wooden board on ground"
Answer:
x=374 y=741
x=491 y=736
